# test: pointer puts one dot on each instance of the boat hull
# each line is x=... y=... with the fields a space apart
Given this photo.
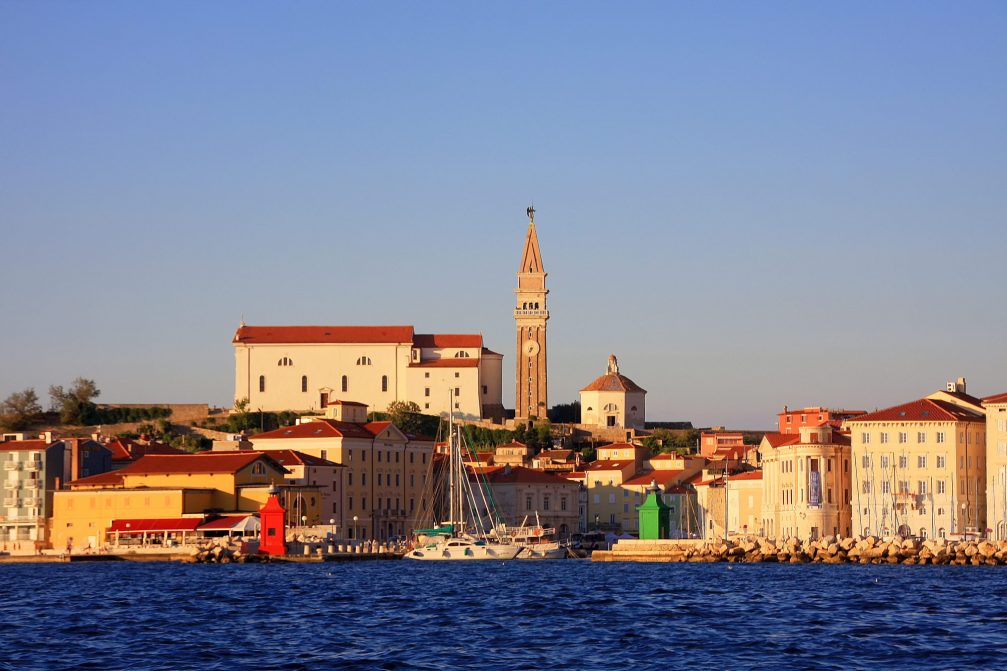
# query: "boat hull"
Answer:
x=464 y=553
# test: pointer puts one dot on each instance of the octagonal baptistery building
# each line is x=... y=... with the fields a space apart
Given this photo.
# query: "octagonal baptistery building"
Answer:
x=613 y=400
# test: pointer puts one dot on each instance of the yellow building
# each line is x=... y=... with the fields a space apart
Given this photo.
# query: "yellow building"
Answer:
x=807 y=489
x=731 y=505
x=996 y=465
x=919 y=469
x=386 y=469
x=169 y=487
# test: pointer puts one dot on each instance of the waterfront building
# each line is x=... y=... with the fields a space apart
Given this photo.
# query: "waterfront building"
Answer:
x=919 y=469
x=521 y=492
x=730 y=504
x=168 y=495
x=531 y=317
x=33 y=469
x=807 y=487
x=303 y=368
x=996 y=465
x=615 y=484
x=386 y=469
x=613 y=400
x=790 y=421
x=557 y=461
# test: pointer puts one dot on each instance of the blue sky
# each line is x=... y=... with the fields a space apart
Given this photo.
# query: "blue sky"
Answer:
x=751 y=204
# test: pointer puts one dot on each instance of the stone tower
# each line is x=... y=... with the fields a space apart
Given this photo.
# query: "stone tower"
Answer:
x=530 y=316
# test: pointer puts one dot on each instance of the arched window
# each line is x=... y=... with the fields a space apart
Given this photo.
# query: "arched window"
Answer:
x=363 y=361
x=304 y=383
x=611 y=407
x=384 y=383
x=346 y=384
x=262 y=383
x=285 y=361
x=461 y=354
x=258 y=468
x=633 y=409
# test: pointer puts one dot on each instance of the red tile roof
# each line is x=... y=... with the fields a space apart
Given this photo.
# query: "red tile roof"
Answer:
x=487 y=350
x=437 y=340
x=469 y=362
x=317 y=428
x=127 y=449
x=561 y=455
x=747 y=475
x=923 y=410
x=287 y=457
x=110 y=479
x=609 y=465
x=375 y=428
x=522 y=475
x=572 y=475
x=664 y=478
x=323 y=334
x=996 y=398
x=24 y=445
x=202 y=462
x=781 y=439
x=614 y=382
x=353 y=403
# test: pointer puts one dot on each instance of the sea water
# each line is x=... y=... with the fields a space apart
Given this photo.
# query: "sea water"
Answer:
x=500 y=615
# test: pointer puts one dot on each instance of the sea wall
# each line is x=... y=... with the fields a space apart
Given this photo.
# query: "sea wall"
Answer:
x=828 y=550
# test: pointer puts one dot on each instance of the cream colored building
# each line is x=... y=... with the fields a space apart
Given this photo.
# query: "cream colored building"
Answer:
x=521 y=493
x=736 y=498
x=807 y=490
x=305 y=367
x=613 y=400
x=919 y=469
x=996 y=465
x=386 y=470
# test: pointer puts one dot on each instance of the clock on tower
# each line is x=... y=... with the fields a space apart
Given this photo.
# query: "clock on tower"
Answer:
x=530 y=316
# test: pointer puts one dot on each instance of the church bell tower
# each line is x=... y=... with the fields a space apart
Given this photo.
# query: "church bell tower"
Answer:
x=530 y=316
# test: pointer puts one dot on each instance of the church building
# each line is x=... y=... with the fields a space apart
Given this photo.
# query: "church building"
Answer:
x=613 y=400
x=305 y=368
x=530 y=316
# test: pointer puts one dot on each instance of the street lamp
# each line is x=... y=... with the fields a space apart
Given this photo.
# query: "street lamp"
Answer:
x=596 y=517
x=355 y=530
x=304 y=520
x=332 y=524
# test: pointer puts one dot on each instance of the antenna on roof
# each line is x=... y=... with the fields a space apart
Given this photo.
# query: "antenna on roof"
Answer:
x=242 y=322
x=531 y=212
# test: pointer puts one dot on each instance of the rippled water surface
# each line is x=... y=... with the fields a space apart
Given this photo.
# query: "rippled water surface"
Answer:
x=508 y=615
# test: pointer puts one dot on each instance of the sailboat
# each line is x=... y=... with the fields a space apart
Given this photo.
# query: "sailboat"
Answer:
x=466 y=535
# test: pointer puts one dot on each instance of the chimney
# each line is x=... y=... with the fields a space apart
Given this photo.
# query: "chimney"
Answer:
x=74 y=444
x=46 y=436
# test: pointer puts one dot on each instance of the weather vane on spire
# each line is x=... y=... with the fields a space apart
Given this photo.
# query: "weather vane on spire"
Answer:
x=531 y=213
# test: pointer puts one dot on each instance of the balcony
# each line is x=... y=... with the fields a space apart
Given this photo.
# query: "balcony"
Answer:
x=12 y=465
x=12 y=502
x=32 y=466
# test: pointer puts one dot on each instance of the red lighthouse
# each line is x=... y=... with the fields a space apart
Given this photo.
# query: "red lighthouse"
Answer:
x=272 y=528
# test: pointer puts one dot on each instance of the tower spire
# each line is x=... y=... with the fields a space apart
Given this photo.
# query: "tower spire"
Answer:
x=531 y=259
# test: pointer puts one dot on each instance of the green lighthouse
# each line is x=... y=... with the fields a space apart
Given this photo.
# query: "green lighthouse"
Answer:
x=655 y=515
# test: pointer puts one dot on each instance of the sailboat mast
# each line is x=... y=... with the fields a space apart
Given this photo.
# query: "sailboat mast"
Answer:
x=451 y=459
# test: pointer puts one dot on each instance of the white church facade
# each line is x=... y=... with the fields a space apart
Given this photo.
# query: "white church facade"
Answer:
x=304 y=368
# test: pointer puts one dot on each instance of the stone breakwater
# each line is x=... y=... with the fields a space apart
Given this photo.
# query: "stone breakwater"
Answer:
x=828 y=550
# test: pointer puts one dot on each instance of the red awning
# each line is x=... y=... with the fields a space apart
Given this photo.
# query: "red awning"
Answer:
x=226 y=523
x=154 y=525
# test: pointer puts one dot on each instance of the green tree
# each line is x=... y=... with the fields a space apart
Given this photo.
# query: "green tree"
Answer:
x=406 y=416
x=76 y=404
x=19 y=409
x=565 y=413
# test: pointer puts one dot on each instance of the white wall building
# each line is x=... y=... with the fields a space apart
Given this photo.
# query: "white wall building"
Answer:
x=306 y=367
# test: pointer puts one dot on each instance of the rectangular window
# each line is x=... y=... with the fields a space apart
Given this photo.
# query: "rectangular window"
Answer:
x=562 y=503
x=903 y=437
x=545 y=502
x=625 y=507
x=349 y=478
x=865 y=461
x=884 y=461
x=941 y=461
x=458 y=392
x=903 y=461
x=527 y=502
x=486 y=390
x=921 y=487
x=611 y=498
x=865 y=438
x=921 y=461
x=884 y=437
x=940 y=436
x=363 y=503
x=921 y=437
x=426 y=391
x=349 y=503
x=597 y=498
x=940 y=486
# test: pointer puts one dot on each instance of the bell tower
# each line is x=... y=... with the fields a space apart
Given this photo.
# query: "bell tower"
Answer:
x=530 y=316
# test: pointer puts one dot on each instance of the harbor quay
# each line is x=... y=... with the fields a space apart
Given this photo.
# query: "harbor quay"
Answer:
x=829 y=550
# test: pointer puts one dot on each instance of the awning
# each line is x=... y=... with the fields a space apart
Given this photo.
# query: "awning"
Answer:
x=236 y=523
x=155 y=525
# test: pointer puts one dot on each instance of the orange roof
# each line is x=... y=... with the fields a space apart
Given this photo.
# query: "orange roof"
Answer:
x=521 y=475
x=468 y=362
x=923 y=410
x=287 y=457
x=614 y=382
x=25 y=445
x=127 y=449
x=110 y=479
x=781 y=439
x=338 y=402
x=996 y=398
x=562 y=455
x=323 y=334
x=609 y=465
x=318 y=428
x=462 y=340
x=572 y=475
x=664 y=478
x=202 y=462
